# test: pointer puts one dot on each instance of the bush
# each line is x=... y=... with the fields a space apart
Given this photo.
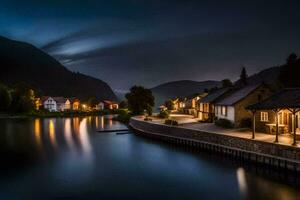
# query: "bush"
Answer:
x=123 y=116
x=246 y=123
x=171 y=122
x=163 y=114
x=225 y=123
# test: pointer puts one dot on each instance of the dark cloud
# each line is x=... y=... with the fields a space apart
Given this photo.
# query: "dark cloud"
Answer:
x=149 y=41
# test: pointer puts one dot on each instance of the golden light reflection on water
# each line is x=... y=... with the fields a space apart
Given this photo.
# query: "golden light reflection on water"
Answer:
x=68 y=133
x=76 y=125
x=241 y=177
x=110 y=122
x=37 y=132
x=97 y=122
x=52 y=134
x=102 y=122
x=84 y=139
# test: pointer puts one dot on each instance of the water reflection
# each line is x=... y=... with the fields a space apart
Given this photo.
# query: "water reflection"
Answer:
x=84 y=139
x=87 y=163
x=68 y=134
x=52 y=133
x=241 y=178
x=102 y=122
x=37 y=132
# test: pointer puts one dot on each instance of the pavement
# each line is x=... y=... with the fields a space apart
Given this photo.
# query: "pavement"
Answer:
x=188 y=121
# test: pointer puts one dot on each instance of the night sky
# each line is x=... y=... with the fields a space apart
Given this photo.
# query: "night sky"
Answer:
x=151 y=42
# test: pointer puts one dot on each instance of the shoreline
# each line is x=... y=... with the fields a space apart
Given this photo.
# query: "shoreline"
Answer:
x=56 y=114
x=259 y=152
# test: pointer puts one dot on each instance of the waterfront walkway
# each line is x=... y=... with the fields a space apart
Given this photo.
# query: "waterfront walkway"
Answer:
x=187 y=121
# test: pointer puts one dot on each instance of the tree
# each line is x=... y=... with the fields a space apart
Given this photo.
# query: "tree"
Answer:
x=5 y=98
x=243 y=76
x=226 y=83
x=292 y=58
x=123 y=104
x=169 y=104
x=23 y=98
x=92 y=102
x=289 y=73
x=139 y=100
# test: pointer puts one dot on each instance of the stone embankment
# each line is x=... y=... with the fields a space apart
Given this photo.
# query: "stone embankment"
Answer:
x=271 y=154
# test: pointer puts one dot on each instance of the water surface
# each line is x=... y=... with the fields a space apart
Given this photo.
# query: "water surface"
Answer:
x=68 y=158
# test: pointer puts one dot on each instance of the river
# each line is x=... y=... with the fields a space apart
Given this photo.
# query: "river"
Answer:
x=68 y=158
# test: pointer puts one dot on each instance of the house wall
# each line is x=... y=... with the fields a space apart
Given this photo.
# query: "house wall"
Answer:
x=50 y=105
x=256 y=96
x=260 y=126
x=67 y=105
x=230 y=115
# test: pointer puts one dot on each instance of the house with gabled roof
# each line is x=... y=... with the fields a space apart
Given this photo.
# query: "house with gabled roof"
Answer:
x=111 y=105
x=56 y=104
x=206 y=105
x=191 y=106
x=233 y=105
x=278 y=114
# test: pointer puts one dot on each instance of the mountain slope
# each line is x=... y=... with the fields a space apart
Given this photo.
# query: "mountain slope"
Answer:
x=22 y=62
x=180 y=89
x=269 y=76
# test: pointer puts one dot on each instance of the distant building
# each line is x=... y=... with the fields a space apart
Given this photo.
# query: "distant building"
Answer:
x=110 y=105
x=75 y=103
x=100 y=106
x=191 y=106
x=206 y=105
x=56 y=104
x=233 y=106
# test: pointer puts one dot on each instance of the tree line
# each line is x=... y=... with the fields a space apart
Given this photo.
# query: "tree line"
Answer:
x=17 y=99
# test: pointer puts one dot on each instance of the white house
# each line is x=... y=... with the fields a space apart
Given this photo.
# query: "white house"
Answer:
x=99 y=106
x=233 y=106
x=55 y=104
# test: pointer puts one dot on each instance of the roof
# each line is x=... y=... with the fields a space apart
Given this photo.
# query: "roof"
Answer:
x=212 y=97
x=60 y=99
x=109 y=102
x=237 y=95
x=286 y=98
x=57 y=99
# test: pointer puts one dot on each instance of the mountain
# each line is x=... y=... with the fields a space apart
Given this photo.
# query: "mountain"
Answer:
x=22 y=62
x=180 y=89
x=269 y=76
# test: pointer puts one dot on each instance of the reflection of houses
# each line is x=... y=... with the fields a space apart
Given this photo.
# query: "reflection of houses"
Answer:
x=233 y=106
x=110 y=105
x=278 y=114
x=54 y=104
x=207 y=104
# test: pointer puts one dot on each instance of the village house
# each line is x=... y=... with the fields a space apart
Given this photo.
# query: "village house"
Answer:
x=178 y=104
x=100 y=106
x=206 y=105
x=75 y=103
x=110 y=105
x=56 y=104
x=278 y=114
x=233 y=106
x=191 y=106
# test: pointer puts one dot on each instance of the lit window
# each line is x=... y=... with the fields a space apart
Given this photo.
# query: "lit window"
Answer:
x=224 y=110
x=264 y=117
